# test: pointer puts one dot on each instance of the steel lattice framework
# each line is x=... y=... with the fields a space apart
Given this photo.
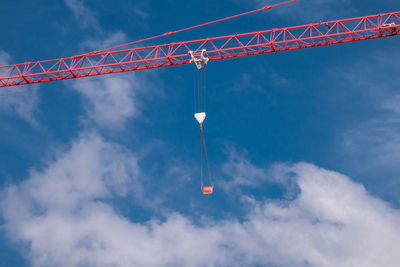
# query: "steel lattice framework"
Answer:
x=230 y=46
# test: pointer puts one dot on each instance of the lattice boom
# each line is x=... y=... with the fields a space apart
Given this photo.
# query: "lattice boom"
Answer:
x=238 y=45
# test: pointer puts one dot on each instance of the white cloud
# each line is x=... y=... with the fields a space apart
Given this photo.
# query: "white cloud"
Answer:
x=374 y=144
x=392 y=103
x=241 y=172
x=140 y=12
x=109 y=101
x=104 y=41
x=260 y=77
x=70 y=188
x=21 y=101
x=333 y=222
x=64 y=216
x=89 y=170
x=374 y=141
x=307 y=11
x=84 y=16
x=4 y=58
x=314 y=10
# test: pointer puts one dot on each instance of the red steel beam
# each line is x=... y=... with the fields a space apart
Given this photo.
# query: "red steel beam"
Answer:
x=230 y=46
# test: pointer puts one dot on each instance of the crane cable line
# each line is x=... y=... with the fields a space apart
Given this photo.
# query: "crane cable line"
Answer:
x=199 y=85
x=190 y=28
x=200 y=116
x=199 y=93
x=206 y=189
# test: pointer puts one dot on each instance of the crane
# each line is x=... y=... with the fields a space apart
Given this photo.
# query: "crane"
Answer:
x=129 y=57
x=124 y=58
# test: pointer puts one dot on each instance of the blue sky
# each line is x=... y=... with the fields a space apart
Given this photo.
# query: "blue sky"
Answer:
x=104 y=171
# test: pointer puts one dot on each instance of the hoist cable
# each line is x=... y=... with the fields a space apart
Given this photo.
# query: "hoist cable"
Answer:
x=198 y=93
x=192 y=27
x=201 y=91
x=205 y=87
x=194 y=90
x=203 y=145
x=201 y=156
x=208 y=164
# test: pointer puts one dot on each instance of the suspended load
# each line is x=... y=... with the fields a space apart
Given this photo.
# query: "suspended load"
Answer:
x=200 y=116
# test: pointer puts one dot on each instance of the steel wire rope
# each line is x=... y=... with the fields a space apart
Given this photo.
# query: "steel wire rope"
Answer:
x=201 y=91
x=194 y=90
x=198 y=93
x=205 y=87
x=208 y=164
x=189 y=28
x=201 y=155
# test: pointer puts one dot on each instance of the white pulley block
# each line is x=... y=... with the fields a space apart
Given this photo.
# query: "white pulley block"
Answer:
x=200 y=117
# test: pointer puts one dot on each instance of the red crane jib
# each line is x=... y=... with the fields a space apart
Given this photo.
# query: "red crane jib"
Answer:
x=230 y=46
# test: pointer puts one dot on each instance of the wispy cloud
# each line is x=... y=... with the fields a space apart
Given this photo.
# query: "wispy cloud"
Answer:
x=4 y=58
x=241 y=172
x=84 y=16
x=392 y=104
x=308 y=10
x=104 y=41
x=239 y=175
x=20 y=101
x=140 y=12
x=63 y=216
x=110 y=101
x=90 y=169
x=258 y=78
x=374 y=142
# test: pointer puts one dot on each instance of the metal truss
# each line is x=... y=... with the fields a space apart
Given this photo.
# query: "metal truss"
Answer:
x=230 y=46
